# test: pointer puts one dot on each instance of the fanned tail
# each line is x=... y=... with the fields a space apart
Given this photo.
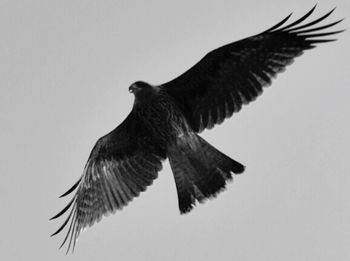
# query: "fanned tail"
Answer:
x=200 y=170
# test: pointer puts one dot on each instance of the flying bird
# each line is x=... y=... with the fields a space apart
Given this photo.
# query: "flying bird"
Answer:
x=166 y=119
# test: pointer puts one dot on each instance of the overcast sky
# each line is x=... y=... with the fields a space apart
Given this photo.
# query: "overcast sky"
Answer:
x=65 y=71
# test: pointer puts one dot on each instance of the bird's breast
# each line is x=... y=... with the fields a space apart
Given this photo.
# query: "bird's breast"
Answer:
x=164 y=119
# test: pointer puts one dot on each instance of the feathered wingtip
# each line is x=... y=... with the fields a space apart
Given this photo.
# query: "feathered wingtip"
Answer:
x=72 y=228
x=297 y=29
x=71 y=189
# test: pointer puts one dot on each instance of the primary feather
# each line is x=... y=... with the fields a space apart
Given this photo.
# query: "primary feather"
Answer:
x=235 y=74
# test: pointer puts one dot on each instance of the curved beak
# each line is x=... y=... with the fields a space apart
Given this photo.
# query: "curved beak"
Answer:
x=133 y=88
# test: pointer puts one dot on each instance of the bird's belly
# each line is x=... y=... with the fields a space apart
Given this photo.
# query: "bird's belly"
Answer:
x=165 y=120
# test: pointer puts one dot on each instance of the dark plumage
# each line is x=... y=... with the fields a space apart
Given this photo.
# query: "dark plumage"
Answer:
x=166 y=119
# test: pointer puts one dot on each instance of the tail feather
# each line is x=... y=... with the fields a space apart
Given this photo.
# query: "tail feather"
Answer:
x=185 y=190
x=200 y=170
x=225 y=163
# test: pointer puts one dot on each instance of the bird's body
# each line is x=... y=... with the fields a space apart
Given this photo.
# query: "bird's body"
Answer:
x=200 y=171
x=166 y=119
x=160 y=115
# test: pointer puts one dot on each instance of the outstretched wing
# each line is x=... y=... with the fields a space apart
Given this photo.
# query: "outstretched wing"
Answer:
x=121 y=165
x=235 y=74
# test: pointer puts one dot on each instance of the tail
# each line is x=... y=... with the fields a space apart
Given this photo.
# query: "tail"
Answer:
x=200 y=170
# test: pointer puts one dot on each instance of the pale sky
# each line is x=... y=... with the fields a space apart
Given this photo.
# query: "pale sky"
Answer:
x=65 y=71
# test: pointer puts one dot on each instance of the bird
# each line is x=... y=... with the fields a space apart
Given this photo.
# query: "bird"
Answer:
x=166 y=119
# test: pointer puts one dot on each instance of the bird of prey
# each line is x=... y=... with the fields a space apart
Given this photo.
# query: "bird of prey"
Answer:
x=166 y=119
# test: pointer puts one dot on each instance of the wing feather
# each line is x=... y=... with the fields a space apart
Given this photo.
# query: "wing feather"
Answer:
x=121 y=165
x=235 y=74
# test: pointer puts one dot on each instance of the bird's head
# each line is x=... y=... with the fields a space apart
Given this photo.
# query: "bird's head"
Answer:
x=142 y=89
x=139 y=86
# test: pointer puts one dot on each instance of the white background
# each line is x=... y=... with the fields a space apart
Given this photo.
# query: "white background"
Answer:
x=65 y=70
